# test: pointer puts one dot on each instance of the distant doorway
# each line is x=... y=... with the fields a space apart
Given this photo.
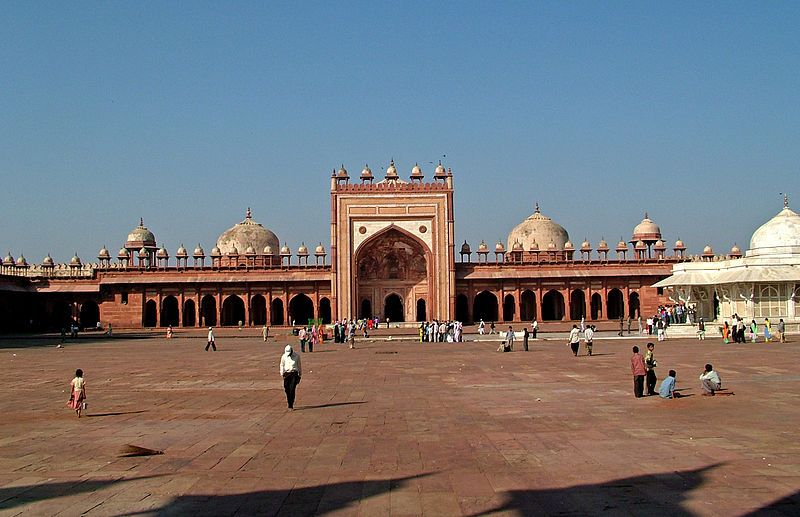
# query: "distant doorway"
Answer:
x=421 y=316
x=577 y=305
x=393 y=308
x=527 y=305
x=553 y=306
x=258 y=310
x=485 y=307
x=150 y=314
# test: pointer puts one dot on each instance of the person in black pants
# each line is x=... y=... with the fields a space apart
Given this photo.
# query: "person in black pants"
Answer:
x=291 y=372
x=638 y=371
x=650 y=363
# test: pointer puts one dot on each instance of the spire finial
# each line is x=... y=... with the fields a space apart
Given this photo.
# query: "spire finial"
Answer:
x=645 y=215
x=536 y=211
x=141 y=222
x=785 y=200
x=248 y=214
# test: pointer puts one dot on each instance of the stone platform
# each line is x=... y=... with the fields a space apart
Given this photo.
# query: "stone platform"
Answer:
x=396 y=428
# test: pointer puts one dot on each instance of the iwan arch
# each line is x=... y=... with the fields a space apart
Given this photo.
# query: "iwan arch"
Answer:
x=392 y=255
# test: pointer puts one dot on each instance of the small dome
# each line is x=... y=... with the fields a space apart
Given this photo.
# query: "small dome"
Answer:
x=781 y=234
x=736 y=251
x=234 y=252
x=568 y=245
x=482 y=247
x=8 y=260
x=216 y=252
x=517 y=246
x=660 y=245
x=646 y=231
x=268 y=250
x=122 y=253
x=21 y=262
x=141 y=236
x=586 y=245
x=75 y=260
x=366 y=173
x=465 y=249
x=250 y=251
x=181 y=252
x=416 y=171
x=319 y=250
x=499 y=248
x=551 y=246
x=162 y=252
x=708 y=251
x=285 y=250
x=534 y=246
x=48 y=261
x=143 y=253
x=602 y=245
x=540 y=228
x=302 y=250
x=103 y=253
x=679 y=245
x=440 y=171
x=244 y=234
x=342 y=172
x=198 y=251
x=640 y=245
x=622 y=246
x=391 y=171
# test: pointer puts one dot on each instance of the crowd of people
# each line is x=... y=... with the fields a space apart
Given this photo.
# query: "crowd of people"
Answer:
x=737 y=330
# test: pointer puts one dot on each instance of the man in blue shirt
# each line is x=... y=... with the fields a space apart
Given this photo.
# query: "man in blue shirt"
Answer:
x=667 y=389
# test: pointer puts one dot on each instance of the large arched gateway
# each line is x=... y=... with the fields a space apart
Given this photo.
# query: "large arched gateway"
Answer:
x=391 y=271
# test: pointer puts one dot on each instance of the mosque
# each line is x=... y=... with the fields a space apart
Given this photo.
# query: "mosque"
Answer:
x=392 y=255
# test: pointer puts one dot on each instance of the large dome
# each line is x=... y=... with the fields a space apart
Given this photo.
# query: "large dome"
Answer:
x=244 y=234
x=540 y=229
x=781 y=234
x=646 y=231
x=141 y=236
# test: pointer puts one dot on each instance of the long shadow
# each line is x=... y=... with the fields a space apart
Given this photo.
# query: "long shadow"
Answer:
x=789 y=505
x=314 y=500
x=652 y=494
x=599 y=355
x=332 y=404
x=11 y=497
x=118 y=413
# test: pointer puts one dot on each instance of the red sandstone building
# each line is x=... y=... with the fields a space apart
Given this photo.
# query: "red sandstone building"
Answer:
x=392 y=256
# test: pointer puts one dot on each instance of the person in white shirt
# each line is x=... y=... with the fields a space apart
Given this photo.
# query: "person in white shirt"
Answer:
x=588 y=335
x=211 y=342
x=510 y=338
x=710 y=381
x=291 y=372
x=575 y=339
x=481 y=328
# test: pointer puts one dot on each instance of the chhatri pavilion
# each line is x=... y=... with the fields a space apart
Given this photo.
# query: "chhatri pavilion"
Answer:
x=392 y=255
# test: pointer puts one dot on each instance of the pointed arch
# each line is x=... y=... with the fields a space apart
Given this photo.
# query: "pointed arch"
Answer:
x=169 y=311
x=189 y=313
x=527 y=305
x=232 y=311
x=208 y=311
x=301 y=309
x=553 y=306
x=485 y=306
x=577 y=304
x=150 y=314
x=615 y=304
x=258 y=310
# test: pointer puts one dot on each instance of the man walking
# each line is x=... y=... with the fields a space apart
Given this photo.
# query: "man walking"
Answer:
x=291 y=372
x=574 y=339
x=211 y=342
x=621 y=325
x=302 y=335
x=525 y=335
x=589 y=337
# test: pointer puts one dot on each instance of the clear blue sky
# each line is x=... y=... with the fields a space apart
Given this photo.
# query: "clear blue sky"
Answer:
x=185 y=113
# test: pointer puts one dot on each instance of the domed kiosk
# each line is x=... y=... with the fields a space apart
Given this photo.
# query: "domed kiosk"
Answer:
x=247 y=233
x=538 y=228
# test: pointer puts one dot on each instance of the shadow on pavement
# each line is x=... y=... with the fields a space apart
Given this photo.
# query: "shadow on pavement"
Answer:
x=117 y=414
x=332 y=404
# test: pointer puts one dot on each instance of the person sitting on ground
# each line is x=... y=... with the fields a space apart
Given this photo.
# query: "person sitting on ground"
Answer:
x=710 y=381
x=667 y=388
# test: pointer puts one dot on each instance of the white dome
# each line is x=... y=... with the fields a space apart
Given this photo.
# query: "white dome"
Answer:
x=245 y=234
x=538 y=228
x=779 y=235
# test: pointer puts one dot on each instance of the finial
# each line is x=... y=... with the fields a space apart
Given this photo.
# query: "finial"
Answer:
x=646 y=216
x=141 y=222
x=248 y=214
x=785 y=200
x=537 y=209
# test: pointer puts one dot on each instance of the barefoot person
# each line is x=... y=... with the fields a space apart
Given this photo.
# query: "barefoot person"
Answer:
x=710 y=381
x=291 y=372
x=77 y=397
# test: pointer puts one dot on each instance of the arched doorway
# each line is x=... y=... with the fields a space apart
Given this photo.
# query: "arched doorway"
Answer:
x=189 y=313
x=150 y=314
x=325 y=310
x=577 y=305
x=258 y=310
x=615 y=305
x=301 y=309
x=90 y=315
x=232 y=311
x=61 y=316
x=393 y=308
x=508 y=307
x=208 y=311
x=527 y=305
x=421 y=316
x=169 y=311
x=366 y=309
x=485 y=307
x=633 y=305
x=553 y=306
x=392 y=262
x=597 y=306
x=462 y=307
x=276 y=312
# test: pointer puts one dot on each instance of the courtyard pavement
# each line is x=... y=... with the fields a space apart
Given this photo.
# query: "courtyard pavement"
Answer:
x=396 y=428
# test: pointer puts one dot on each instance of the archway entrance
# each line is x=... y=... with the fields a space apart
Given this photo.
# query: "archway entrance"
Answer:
x=577 y=305
x=232 y=311
x=633 y=306
x=169 y=311
x=553 y=306
x=508 y=307
x=421 y=310
x=393 y=263
x=208 y=311
x=258 y=310
x=276 y=312
x=150 y=314
x=485 y=307
x=527 y=305
x=188 y=313
x=615 y=306
x=462 y=307
x=393 y=308
x=301 y=309
x=325 y=310
x=90 y=315
x=597 y=306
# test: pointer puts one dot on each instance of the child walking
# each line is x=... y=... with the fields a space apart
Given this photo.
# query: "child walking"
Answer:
x=77 y=397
